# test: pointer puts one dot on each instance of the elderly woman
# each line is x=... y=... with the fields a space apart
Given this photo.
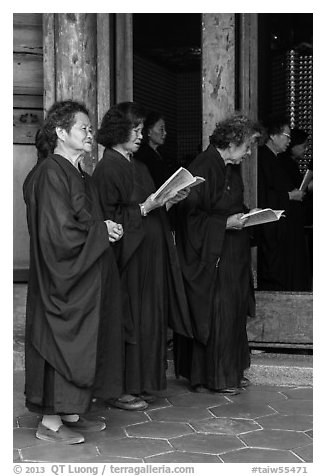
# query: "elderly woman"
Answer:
x=154 y=133
x=282 y=257
x=69 y=339
x=152 y=285
x=214 y=252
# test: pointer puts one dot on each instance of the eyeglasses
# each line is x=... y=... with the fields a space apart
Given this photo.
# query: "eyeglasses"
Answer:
x=286 y=135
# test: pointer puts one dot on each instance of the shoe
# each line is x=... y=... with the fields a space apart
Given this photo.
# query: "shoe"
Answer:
x=229 y=391
x=201 y=389
x=84 y=425
x=147 y=397
x=134 y=403
x=62 y=435
x=244 y=382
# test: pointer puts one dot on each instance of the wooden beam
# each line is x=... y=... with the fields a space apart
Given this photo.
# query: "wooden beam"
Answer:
x=24 y=101
x=248 y=95
x=105 y=63
x=27 y=74
x=218 y=69
x=124 y=57
x=70 y=63
x=105 y=67
x=49 y=70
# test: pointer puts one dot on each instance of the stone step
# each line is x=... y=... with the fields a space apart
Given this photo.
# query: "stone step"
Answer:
x=266 y=368
x=275 y=369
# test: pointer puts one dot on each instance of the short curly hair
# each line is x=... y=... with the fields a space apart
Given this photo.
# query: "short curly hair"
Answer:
x=61 y=114
x=118 y=122
x=235 y=129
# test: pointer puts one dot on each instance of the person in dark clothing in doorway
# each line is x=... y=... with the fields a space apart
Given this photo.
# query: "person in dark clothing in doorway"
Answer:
x=282 y=257
x=154 y=133
x=73 y=311
x=214 y=253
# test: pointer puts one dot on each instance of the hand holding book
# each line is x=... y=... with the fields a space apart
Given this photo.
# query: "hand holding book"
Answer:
x=180 y=180
x=260 y=216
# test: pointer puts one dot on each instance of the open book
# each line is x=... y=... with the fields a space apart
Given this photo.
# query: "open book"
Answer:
x=306 y=180
x=181 y=179
x=262 y=216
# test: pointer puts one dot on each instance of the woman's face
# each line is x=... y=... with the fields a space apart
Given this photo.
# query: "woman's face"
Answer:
x=157 y=133
x=281 y=141
x=238 y=152
x=298 y=150
x=80 y=136
x=134 y=140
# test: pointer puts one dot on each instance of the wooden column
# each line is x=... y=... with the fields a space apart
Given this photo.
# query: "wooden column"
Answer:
x=124 y=57
x=248 y=94
x=70 y=62
x=218 y=69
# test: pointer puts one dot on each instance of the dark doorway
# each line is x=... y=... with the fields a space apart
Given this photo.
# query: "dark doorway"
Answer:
x=285 y=87
x=167 y=78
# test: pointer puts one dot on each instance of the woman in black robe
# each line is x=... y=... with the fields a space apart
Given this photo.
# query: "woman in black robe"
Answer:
x=70 y=321
x=214 y=252
x=282 y=252
x=149 y=153
x=154 y=133
x=152 y=284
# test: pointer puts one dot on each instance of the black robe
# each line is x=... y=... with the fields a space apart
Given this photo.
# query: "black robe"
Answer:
x=216 y=268
x=159 y=169
x=151 y=280
x=282 y=249
x=73 y=312
x=157 y=166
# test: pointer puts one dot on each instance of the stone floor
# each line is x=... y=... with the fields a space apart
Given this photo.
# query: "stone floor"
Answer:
x=264 y=424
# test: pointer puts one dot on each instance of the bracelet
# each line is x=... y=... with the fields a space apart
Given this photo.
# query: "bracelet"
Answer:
x=143 y=210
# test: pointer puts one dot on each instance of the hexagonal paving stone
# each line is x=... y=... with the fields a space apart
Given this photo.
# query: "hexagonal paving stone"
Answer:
x=210 y=444
x=183 y=457
x=277 y=439
x=193 y=399
x=258 y=397
x=159 y=403
x=226 y=426
x=134 y=447
x=174 y=387
x=59 y=452
x=115 y=417
x=113 y=459
x=257 y=455
x=267 y=388
x=154 y=429
x=293 y=407
x=306 y=453
x=110 y=433
x=246 y=410
x=16 y=456
x=24 y=437
x=303 y=393
x=28 y=421
x=286 y=422
x=181 y=414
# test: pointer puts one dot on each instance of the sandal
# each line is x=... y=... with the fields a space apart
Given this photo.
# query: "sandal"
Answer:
x=128 y=402
x=147 y=397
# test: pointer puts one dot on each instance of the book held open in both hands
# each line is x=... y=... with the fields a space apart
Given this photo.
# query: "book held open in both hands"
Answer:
x=181 y=179
x=262 y=216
